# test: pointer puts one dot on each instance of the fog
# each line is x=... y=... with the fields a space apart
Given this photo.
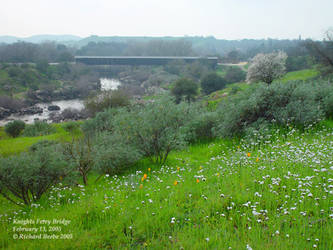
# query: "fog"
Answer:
x=223 y=19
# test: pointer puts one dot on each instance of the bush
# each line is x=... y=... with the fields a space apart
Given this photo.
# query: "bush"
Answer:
x=185 y=88
x=108 y=99
x=212 y=82
x=112 y=155
x=234 y=90
x=299 y=103
x=101 y=122
x=26 y=177
x=42 y=144
x=39 y=128
x=234 y=74
x=155 y=129
x=328 y=104
x=202 y=124
x=14 y=128
x=71 y=127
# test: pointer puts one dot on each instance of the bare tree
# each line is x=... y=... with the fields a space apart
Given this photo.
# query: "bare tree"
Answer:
x=323 y=51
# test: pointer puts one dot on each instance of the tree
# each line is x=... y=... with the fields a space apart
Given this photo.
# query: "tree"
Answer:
x=234 y=74
x=156 y=128
x=185 y=88
x=212 y=82
x=323 y=52
x=14 y=128
x=267 y=67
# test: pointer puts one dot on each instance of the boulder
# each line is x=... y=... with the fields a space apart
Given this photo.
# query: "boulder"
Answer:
x=53 y=108
x=30 y=111
x=4 y=113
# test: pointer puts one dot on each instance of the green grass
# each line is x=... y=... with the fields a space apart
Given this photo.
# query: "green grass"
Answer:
x=269 y=193
x=305 y=74
x=10 y=146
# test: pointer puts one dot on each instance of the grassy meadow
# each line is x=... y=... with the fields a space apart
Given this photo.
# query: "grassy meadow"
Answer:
x=270 y=191
x=10 y=146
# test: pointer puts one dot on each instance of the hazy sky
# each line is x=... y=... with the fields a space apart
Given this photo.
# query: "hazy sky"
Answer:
x=226 y=19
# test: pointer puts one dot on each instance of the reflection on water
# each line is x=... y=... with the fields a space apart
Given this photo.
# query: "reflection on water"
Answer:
x=106 y=84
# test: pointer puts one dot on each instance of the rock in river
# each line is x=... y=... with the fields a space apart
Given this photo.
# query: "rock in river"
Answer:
x=53 y=108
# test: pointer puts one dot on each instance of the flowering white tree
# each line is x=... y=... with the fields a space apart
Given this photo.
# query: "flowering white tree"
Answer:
x=267 y=67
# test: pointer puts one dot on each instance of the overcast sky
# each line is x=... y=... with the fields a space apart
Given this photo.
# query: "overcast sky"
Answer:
x=225 y=19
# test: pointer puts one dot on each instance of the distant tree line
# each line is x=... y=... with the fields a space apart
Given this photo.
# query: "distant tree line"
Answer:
x=23 y=52
x=301 y=53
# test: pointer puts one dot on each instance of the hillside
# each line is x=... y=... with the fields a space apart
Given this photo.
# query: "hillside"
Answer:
x=259 y=193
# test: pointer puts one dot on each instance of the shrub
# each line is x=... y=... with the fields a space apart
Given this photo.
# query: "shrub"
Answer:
x=26 y=177
x=107 y=99
x=234 y=90
x=185 y=88
x=112 y=155
x=39 y=128
x=14 y=128
x=234 y=74
x=328 y=104
x=202 y=124
x=101 y=122
x=71 y=127
x=299 y=103
x=212 y=82
x=155 y=129
x=42 y=144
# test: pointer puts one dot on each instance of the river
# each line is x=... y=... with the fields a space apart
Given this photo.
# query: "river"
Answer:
x=106 y=84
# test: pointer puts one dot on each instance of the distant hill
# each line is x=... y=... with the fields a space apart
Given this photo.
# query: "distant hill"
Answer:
x=40 y=38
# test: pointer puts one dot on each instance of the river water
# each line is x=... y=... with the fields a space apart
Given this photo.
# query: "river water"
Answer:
x=106 y=84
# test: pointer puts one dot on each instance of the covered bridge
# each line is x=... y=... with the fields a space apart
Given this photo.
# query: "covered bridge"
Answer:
x=141 y=60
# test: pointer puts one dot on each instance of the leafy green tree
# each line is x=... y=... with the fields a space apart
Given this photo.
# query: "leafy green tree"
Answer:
x=185 y=88
x=212 y=82
x=14 y=128
x=156 y=128
x=26 y=177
